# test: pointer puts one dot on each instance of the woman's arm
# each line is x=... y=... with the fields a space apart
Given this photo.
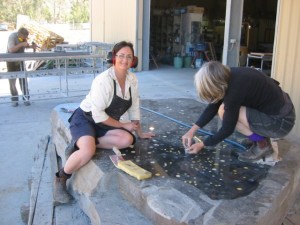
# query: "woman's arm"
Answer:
x=139 y=131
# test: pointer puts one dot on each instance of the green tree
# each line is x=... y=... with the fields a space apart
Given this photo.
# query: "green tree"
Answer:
x=80 y=11
x=57 y=11
x=9 y=9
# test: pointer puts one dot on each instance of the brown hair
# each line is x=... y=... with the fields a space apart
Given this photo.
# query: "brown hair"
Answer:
x=211 y=81
x=120 y=45
x=23 y=31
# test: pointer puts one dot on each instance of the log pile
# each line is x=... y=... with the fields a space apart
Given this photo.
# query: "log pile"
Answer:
x=43 y=37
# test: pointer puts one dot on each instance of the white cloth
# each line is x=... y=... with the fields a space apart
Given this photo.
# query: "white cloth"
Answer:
x=102 y=92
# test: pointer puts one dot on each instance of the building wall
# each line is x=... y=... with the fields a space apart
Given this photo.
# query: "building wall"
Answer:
x=286 y=59
x=97 y=14
x=114 y=20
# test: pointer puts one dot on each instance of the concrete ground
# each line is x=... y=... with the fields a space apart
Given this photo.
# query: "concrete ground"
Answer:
x=22 y=128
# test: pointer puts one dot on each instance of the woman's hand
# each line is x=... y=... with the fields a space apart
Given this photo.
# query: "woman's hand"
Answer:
x=131 y=126
x=187 y=139
x=146 y=135
x=140 y=133
x=194 y=148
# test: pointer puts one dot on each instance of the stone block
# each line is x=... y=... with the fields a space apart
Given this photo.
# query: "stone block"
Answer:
x=109 y=196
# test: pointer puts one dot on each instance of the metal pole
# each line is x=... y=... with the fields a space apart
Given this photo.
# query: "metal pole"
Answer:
x=66 y=77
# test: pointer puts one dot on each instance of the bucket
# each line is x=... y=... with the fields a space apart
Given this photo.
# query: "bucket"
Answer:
x=187 y=62
x=178 y=62
x=198 y=63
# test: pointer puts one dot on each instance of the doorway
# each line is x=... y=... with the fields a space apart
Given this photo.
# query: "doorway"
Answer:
x=173 y=34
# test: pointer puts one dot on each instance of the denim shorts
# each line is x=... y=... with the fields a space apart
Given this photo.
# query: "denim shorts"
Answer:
x=82 y=125
x=270 y=126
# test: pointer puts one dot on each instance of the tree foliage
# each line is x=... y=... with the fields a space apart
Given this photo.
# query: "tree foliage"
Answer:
x=52 y=11
x=79 y=11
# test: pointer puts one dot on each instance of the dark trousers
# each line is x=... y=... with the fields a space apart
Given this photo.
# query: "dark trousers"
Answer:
x=17 y=66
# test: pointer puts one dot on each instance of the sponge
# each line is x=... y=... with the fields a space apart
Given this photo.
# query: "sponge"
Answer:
x=134 y=170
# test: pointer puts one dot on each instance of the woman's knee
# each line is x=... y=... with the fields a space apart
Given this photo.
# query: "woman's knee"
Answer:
x=221 y=111
x=87 y=145
x=243 y=116
x=117 y=137
x=126 y=140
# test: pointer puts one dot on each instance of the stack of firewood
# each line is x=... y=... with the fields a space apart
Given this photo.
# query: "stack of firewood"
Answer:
x=44 y=38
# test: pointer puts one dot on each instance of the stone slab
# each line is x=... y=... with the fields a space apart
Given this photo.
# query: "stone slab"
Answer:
x=166 y=199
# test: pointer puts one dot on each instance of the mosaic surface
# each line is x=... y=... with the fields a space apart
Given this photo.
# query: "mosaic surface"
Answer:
x=215 y=170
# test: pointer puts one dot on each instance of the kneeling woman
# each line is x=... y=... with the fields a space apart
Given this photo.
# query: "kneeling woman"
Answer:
x=95 y=124
x=246 y=100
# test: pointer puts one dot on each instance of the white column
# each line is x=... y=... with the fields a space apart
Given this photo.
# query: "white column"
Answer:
x=232 y=32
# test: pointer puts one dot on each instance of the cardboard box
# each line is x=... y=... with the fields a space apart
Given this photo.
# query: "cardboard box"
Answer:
x=194 y=9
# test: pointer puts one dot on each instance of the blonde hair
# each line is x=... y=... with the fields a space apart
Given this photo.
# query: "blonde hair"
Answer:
x=211 y=81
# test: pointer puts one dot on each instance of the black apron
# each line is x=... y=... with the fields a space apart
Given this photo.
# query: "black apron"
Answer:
x=118 y=106
x=116 y=109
